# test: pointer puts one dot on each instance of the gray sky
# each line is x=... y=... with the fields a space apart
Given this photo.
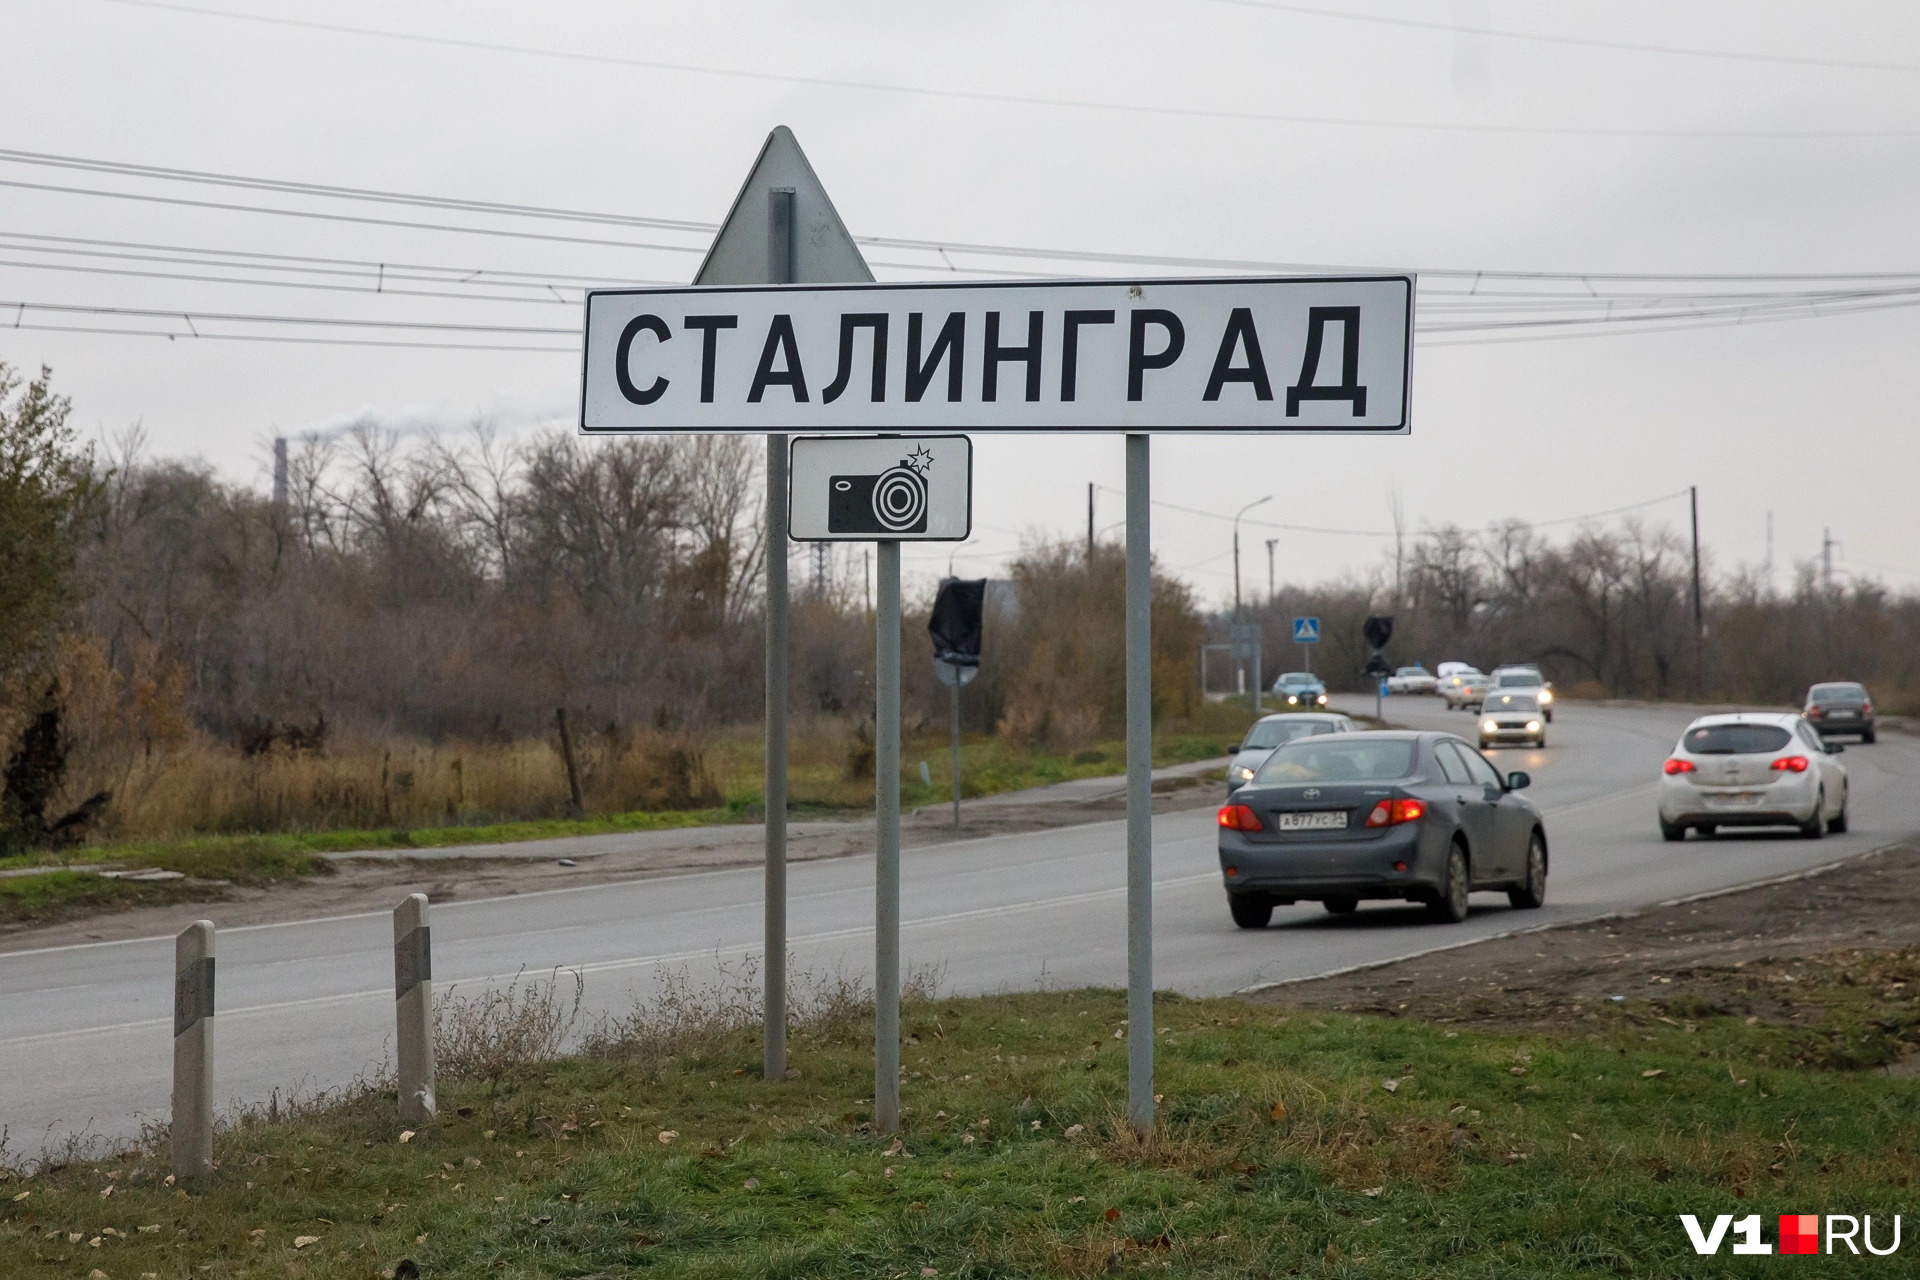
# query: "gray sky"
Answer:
x=1807 y=418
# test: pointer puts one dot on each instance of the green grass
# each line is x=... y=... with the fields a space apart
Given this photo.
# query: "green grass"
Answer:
x=988 y=767
x=1491 y=1156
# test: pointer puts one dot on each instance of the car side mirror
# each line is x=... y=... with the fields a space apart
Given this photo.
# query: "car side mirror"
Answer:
x=1834 y=748
x=1519 y=780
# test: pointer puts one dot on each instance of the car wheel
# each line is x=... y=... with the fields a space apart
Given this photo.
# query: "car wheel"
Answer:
x=1451 y=906
x=1866 y=739
x=1342 y=906
x=1672 y=831
x=1250 y=910
x=1541 y=742
x=1707 y=829
x=1816 y=826
x=1532 y=891
x=1485 y=745
x=1549 y=717
x=1837 y=825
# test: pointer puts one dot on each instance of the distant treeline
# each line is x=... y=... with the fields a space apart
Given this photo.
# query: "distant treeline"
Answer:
x=1605 y=613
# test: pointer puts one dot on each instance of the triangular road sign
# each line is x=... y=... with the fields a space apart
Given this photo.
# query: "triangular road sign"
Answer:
x=744 y=250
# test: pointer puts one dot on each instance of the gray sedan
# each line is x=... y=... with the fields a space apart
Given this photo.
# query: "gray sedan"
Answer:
x=1422 y=817
x=1269 y=732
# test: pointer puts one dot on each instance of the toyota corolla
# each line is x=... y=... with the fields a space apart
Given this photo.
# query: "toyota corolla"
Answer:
x=1421 y=817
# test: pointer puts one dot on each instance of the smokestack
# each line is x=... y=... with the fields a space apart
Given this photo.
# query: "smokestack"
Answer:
x=279 y=473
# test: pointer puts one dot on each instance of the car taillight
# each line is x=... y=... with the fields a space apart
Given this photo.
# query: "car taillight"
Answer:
x=1239 y=817
x=1391 y=813
x=1678 y=766
x=1813 y=713
x=1866 y=708
x=1790 y=764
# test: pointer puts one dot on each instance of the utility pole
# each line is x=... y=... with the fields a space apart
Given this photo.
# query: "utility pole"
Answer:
x=1271 y=544
x=1827 y=544
x=1769 y=553
x=280 y=475
x=1699 y=623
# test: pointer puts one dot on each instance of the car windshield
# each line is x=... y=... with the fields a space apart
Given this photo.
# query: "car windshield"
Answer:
x=1519 y=680
x=1271 y=733
x=1297 y=679
x=1836 y=693
x=1736 y=739
x=1512 y=702
x=1411 y=671
x=1339 y=759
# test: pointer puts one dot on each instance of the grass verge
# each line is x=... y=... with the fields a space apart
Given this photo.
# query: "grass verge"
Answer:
x=1288 y=1144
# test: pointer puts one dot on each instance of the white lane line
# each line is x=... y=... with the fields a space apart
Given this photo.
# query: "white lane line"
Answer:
x=610 y=966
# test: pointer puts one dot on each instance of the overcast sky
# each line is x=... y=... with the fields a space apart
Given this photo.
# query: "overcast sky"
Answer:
x=1810 y=419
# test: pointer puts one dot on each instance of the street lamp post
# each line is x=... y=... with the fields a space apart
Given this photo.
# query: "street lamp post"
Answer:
x=1236 y=583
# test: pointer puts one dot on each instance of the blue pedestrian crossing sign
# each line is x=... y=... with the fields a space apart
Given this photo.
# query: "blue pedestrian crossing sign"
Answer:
x=1306 y=631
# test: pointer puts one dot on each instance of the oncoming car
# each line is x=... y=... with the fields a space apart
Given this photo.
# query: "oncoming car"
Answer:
x=1421 y=817
x=1511 y=717
x=1752 y=769
x=1301 y=689
x=1529 y=679
x=1840 y=706
x=1269 y=732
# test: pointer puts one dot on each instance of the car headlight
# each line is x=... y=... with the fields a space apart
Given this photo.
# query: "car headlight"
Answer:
x=1243 y=773
x=1489 y=725
x=1546 y=696
x=1533 y=726
x=1292 y=701
x=1323 y=699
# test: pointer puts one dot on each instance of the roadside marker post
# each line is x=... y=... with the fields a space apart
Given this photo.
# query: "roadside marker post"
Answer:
x=1209 y=355
x=413 y=1008
x=781 y=230
x=192 y=1122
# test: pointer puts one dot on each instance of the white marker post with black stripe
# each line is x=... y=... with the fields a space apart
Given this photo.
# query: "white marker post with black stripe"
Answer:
x=192 y=1129
x=413 y=1007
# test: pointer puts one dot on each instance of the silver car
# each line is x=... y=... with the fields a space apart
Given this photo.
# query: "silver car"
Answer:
x=1511 y=716
x=1270 y=731
x=1752 y=769
x=1524 y=677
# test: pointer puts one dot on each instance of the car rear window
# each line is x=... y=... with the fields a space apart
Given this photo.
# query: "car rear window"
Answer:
x=1837 y=693
x=1736 y=739
x=1339 y=759
x=1271 y=733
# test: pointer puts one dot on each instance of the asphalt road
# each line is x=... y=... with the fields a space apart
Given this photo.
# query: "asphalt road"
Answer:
x=85 y=1030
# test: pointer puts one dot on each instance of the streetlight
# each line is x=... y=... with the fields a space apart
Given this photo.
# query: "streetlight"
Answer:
x=1236 y=550
x=1259 y=667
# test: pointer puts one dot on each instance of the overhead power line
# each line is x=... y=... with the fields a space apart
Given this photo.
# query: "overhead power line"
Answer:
x=1391 y=533
x=1008 y=99
x=1578 y=42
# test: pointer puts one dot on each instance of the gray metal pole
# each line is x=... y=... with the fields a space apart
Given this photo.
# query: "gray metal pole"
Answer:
x=886 y=874
x=192 y=1125
x=774 y=1059
x=781 y=245
x=1259 y=668
x=1139 y=785
x=413 y=1008
x=956 y=746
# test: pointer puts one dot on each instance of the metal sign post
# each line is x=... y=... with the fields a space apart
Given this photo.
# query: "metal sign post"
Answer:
x=782 y=229
x=1306 y=632
x=1307 y=354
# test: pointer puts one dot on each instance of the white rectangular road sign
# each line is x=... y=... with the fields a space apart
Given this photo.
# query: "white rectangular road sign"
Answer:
x=1316 y=354
x=870 y=488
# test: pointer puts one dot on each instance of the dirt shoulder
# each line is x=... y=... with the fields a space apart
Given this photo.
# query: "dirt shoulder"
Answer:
x=1790 y=951
x=375 y=881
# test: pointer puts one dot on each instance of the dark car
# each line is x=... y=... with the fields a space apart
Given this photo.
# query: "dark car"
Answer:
x=1421 y=817
x=1840 y=707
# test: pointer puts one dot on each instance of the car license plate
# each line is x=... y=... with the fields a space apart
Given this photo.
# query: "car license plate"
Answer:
x=1840 y=715
x=1734 y=799
x=1324 y=821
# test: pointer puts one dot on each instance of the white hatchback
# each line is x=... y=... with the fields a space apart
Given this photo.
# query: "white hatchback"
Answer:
x=1752 y=769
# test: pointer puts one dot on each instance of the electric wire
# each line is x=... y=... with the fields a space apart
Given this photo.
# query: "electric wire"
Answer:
x=1394 y=533
x=1011 y=99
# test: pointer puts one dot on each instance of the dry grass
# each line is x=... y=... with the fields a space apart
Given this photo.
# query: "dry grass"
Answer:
x=496 y=1031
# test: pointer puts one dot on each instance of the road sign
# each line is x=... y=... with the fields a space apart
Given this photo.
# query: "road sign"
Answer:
x=874 y=488
x=1273 y=353
x=1306 y=631
x=1378 y=629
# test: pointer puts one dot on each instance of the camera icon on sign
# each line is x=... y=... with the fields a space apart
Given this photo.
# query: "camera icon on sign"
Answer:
x=892 y=502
